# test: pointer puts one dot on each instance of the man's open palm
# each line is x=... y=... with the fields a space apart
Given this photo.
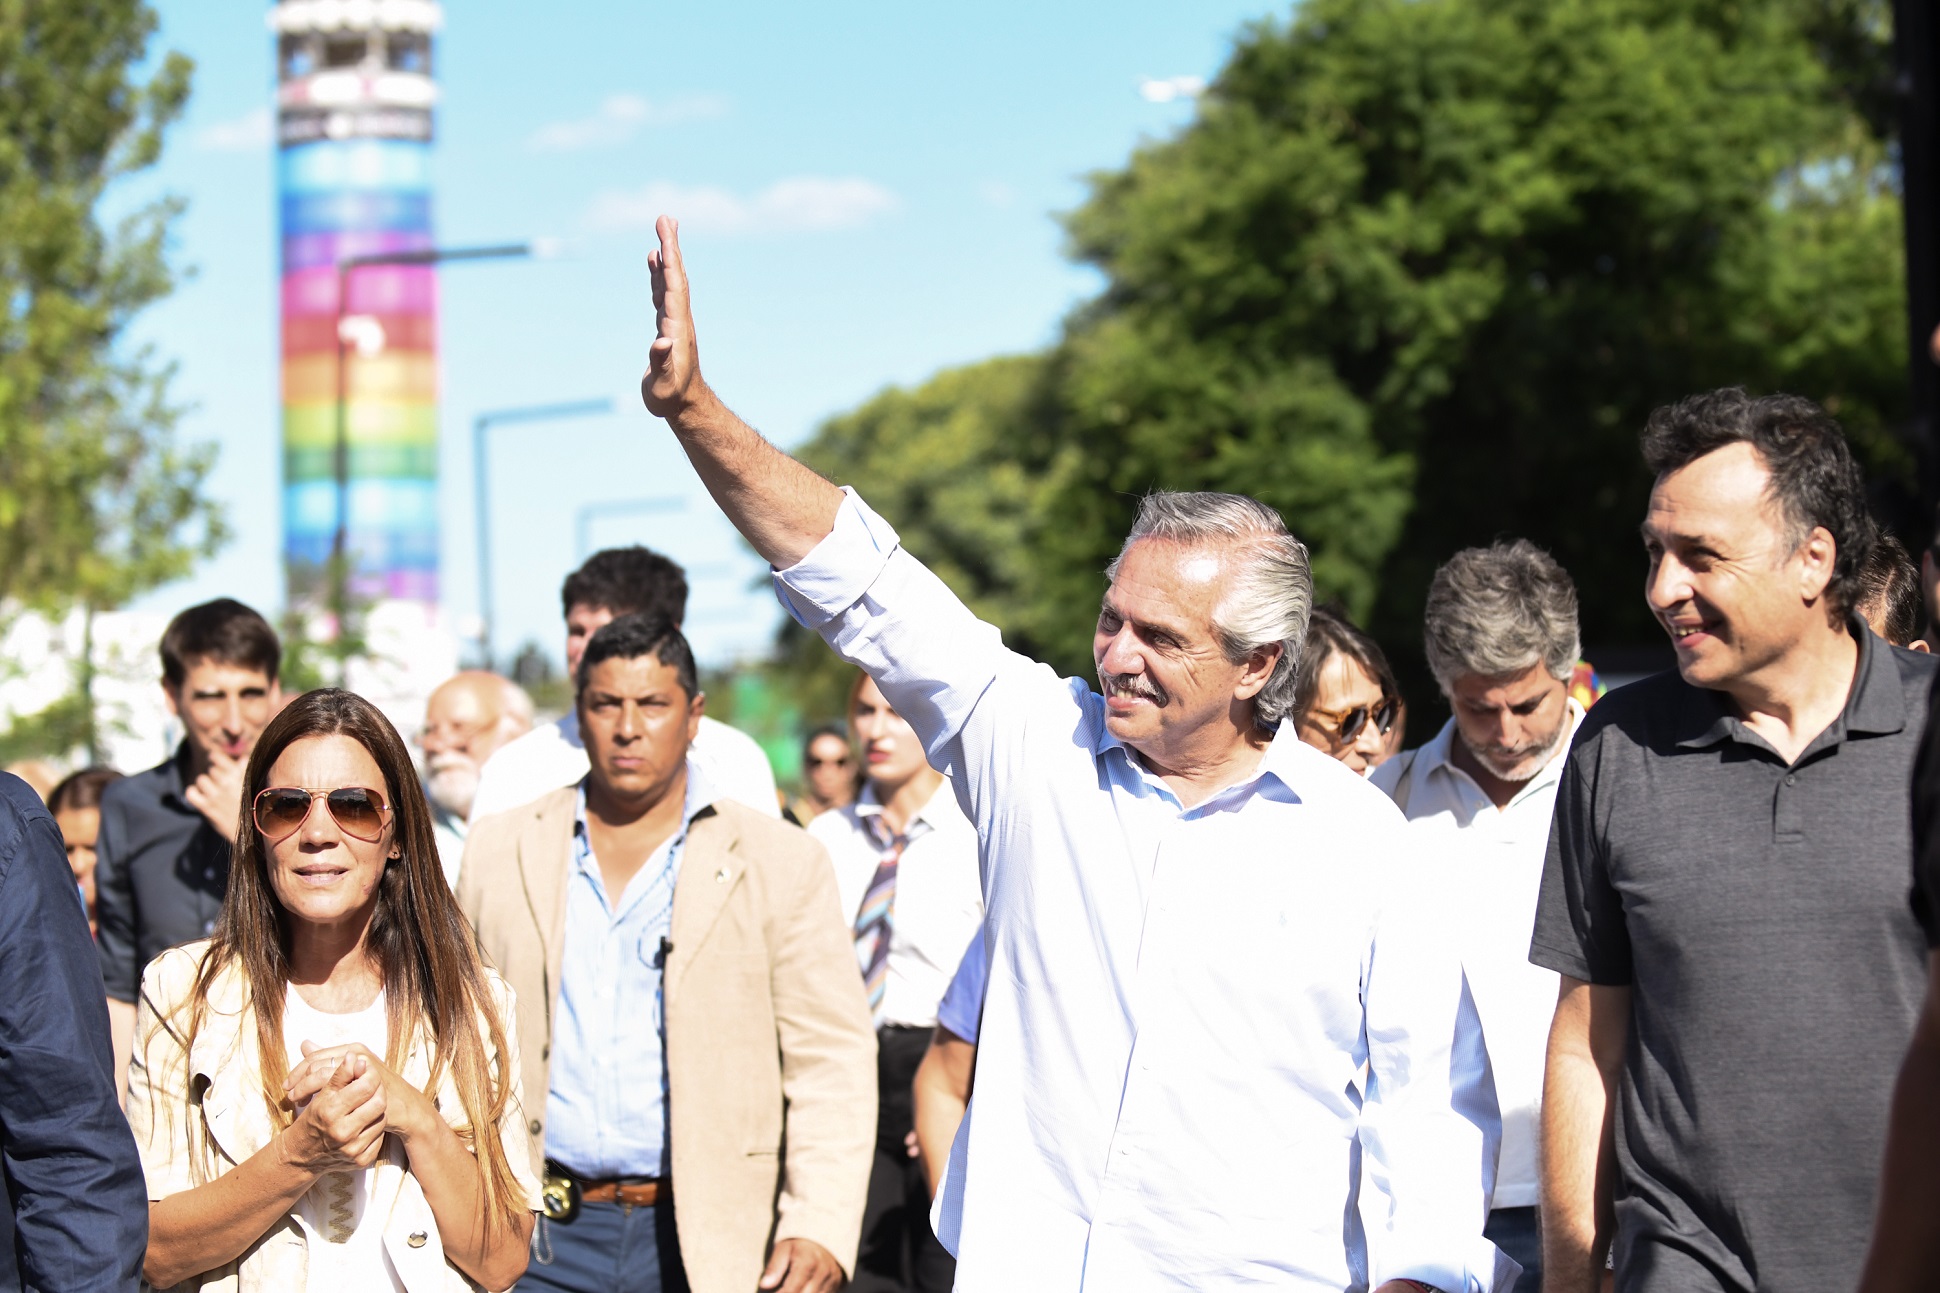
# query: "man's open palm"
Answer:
x=673 y=380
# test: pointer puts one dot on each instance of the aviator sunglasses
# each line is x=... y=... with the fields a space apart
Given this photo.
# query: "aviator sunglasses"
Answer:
x=1348 y=726
x=282 y=810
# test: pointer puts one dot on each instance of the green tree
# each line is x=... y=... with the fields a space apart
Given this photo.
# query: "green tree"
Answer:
x=1415 y=275
x=1419 y=271
x=98 y=501
x=938 y=463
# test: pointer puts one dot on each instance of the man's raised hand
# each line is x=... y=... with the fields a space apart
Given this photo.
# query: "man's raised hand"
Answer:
x=672 y=384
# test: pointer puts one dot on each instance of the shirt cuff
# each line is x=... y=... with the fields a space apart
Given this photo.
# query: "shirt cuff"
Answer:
x=840 y=569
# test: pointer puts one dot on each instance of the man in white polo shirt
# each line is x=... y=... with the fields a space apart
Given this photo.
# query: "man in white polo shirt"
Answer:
x=1502 y=643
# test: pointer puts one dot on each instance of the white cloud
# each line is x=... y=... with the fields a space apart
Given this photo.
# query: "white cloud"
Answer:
x=243 y=134
x=620 y=117
x=996 y=193
x=801 y=204
x=1165 y=89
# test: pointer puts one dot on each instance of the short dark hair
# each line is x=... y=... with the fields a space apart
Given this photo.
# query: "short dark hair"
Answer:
x=1887 y=591
x=1330 y=632
x=628 y=581
x=224 y=631
x=632 y=636
x=81 y=789
x=1815 y=480
x=840 y=731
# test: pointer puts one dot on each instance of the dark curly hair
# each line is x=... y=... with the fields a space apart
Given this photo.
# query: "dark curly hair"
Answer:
x=1815 y=480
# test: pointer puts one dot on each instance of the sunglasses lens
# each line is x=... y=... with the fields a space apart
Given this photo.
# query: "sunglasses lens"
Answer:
x=1384 y=717
x=280 y=811
x=1355 y=720
x=360 y=812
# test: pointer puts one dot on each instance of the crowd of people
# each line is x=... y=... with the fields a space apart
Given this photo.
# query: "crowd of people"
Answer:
x=1200 y=978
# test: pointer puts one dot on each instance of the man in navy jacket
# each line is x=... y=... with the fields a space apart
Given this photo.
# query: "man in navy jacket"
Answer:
x=78 y=1203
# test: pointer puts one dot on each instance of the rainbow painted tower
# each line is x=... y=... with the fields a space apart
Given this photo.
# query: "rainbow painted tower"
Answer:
x=354 y=114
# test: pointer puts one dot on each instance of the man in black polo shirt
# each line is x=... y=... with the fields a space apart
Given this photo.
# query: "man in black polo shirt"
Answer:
x=1725 y=891
x=163 y=852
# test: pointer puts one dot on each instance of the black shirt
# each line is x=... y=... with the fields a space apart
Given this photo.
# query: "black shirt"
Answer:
x=1759 y=915
x=160 y=872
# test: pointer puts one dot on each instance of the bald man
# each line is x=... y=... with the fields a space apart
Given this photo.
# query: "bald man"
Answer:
x=468 y=717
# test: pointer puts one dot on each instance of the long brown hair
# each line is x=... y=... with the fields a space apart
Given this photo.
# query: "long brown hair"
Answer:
x=419 y=942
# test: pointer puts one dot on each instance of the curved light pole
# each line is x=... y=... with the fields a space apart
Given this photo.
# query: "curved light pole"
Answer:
x=481 y=483
x=589 y=512
x=366 y=335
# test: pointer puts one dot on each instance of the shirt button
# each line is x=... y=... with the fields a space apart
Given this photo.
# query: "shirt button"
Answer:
x=533 y=1126
x=1791 y=781
x=416 y=1239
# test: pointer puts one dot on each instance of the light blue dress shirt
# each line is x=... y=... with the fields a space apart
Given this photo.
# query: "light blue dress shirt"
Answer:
x=606 y=1106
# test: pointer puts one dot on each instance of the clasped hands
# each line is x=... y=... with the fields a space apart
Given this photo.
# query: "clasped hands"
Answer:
x=347 y=1100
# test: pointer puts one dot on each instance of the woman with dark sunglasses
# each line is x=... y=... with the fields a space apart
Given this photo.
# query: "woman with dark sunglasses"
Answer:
x=1345 y=701
x=326 y=1090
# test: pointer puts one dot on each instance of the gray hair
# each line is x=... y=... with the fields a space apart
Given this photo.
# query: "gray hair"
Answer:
x=1268 y=597
x=1498 y=610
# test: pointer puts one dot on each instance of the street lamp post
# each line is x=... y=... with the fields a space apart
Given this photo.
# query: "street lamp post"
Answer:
x=481 y=506
x=368 y=338
x=589 y=512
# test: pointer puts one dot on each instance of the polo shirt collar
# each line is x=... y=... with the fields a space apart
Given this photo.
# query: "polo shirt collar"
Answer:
x=1876 y=705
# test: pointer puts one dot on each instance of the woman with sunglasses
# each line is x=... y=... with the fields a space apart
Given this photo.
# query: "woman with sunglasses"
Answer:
x=326 y=1090
x=1346 y=702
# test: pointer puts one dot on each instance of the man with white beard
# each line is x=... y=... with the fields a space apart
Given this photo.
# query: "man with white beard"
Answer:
x=467 y=719
x=1502 y=643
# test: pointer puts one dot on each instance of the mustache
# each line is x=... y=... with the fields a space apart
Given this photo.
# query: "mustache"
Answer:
x=450 y=762
x=1134 y=684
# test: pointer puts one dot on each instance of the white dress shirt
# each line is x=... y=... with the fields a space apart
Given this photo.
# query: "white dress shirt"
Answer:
x=1498 y=853
x=552 y=755
x=1179 y=999
x=939 y=896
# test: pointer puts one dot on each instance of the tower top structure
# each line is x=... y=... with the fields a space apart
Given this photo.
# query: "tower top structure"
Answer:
x=354 y=69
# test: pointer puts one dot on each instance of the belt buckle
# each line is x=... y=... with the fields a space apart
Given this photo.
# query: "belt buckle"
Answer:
x=560 y=1195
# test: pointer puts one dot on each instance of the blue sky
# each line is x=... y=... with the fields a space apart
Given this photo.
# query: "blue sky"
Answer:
x=868 y=194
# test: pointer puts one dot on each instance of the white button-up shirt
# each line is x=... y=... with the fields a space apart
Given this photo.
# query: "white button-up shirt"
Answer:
x=939 y=896
x=1498 y=854
x=1179 y=999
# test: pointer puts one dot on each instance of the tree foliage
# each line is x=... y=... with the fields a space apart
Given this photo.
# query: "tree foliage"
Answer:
x=97 y=499
x=1416 y=274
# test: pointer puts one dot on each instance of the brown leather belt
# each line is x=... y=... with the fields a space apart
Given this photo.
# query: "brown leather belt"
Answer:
x=645 y=1194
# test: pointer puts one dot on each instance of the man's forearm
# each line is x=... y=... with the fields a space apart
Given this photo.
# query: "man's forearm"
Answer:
x=782 y=507
x=942 y=1093
x=1579 y=1089
x=1905 y=1252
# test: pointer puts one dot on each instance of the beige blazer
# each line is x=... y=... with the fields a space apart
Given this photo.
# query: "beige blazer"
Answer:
x=197 y=1111
x=771 y=1053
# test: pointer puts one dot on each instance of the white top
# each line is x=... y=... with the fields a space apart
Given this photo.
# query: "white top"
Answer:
x=1499 y=855
x=939 y=896
x=346 y=1244
x=552 y=756
x=1179 y=999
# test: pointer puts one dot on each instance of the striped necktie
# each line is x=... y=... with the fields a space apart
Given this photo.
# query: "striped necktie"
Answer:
x=877 y=917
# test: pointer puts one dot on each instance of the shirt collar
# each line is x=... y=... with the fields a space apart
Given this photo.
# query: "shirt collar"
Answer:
x=1282 y=752
x=700 y=798
x=929 y=816
x=1438 y=754
x=1876 y=705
